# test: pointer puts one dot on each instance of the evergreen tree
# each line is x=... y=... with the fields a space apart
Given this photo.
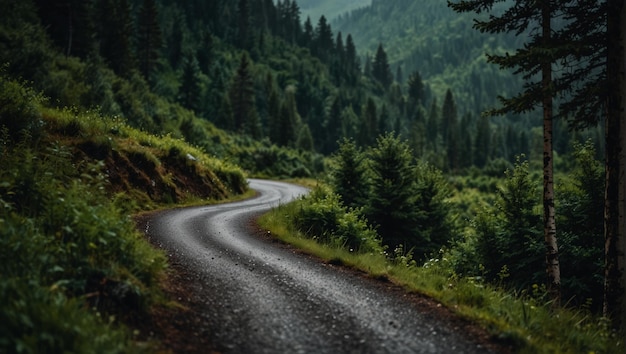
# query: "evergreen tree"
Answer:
x=349 y=177
x=353 y=69
x=537 y=56
x=205 y=52
x=391 y=205
x=432 y=127
x=380 y=68
x=149 y=40
x=615 y=168
x=115 y=31
x=189 y=94
x=448 y=117
x=242 y=95
x=324 y=44
x=482 y=142
x=175 y=43
x=305 y=139
x=368 y=129
x=244 y=34
x=415 y=93
x=333 y=125
x=308 y=34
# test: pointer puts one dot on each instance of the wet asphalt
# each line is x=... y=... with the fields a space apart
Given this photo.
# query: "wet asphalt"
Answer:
x=259 y=297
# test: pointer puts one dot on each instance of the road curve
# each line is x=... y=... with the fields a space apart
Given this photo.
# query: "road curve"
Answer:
x=262 y=298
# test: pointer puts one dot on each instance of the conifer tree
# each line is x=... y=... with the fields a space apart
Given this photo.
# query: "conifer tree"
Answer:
x=323 y=40
x=415 y=93
x=482 y=142
x=242 y=94
x=308 y=34
x=353 y=70
x=244 y=34
x=189 y=95
x=115 y=32
x=349 y=177
x=149 y=39
x=537 y=56
x=380 y=68
x=391 y=203
x=368 y=129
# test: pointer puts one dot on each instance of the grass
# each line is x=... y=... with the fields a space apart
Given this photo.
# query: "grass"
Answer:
x=74 y=267
x=522 y=321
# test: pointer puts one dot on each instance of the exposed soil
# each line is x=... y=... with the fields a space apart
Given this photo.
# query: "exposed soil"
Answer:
x=182 y=329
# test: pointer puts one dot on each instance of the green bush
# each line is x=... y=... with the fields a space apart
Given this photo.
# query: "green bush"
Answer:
x=19 y=111
x=322 y=216
x=65 y=248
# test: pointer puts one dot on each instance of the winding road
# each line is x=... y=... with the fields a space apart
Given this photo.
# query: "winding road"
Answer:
x=261 y=297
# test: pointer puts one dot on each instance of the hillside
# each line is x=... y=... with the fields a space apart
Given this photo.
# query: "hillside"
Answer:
x=329 y=8
x=428 y=37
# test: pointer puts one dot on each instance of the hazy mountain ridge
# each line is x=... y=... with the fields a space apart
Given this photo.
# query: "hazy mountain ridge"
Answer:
x=331 y=9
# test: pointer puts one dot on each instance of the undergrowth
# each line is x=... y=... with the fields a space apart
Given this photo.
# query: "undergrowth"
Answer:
x=74 y=268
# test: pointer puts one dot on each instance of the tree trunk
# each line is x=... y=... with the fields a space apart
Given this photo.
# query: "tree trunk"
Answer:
x=615 y=161
x=553 y=271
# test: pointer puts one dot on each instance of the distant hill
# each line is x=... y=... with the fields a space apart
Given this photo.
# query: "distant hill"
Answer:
x=331 y=9
x=428 y=37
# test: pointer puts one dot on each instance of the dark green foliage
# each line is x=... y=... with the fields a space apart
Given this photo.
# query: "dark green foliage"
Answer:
x=581 y=225
x=19 y=111
x=190 y=90
x=149 y=40
x=509 y=237
x=242 y=95
x=115 y=32
x=349 y=175
x=322 y=216
x=61 y=238
x=435 y=224
x=380 y=68
x=391 y=202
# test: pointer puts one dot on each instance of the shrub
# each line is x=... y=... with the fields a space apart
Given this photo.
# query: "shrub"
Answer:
x=322 y=216
x=19 y=111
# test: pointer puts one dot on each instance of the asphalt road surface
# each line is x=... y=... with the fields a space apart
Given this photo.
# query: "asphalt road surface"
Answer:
x=260 y=297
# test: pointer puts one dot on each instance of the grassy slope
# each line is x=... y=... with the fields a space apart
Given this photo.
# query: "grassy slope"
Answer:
x=73 y=262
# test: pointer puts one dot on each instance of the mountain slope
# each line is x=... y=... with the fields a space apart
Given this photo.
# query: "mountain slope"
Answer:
x=428 y=37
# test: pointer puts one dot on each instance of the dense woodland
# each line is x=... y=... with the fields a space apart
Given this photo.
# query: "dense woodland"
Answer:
x=384 y=103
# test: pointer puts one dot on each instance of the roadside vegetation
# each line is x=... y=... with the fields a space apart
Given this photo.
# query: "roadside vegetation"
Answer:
x=472 y=271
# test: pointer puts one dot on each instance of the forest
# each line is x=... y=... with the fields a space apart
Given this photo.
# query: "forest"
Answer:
x=396 y=109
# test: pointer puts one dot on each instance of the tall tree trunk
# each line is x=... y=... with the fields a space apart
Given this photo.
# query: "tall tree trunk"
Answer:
x=615 y=162
x=553 y=271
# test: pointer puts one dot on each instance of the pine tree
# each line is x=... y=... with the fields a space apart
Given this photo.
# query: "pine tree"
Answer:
x=349 y=177
x=353 y=69
x=482 y=142
x=189 y=94
x=391 y=203
x=615 y=168
x=415 y=93
x=242 y=94
x=537 y=56
x=149 y=39
x=244 y=35
x=380 y=68
x=324 y=44
x=368 y=129
x=115 y=31
x=308 y=34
